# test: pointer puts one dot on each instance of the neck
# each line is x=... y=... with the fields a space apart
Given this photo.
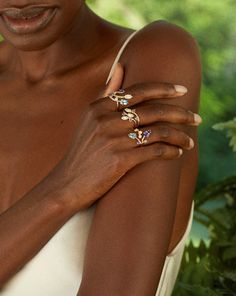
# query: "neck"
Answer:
x=73 y=48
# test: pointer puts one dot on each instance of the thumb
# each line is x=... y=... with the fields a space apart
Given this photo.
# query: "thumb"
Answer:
x=116 y=80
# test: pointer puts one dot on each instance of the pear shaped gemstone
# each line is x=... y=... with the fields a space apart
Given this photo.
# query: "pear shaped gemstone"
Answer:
x=132 y=135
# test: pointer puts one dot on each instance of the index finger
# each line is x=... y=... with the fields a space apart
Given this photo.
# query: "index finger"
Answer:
x=141 y=92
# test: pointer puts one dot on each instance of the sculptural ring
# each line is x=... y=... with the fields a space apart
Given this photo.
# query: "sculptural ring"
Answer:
x=120 y=97
x=131 y=115
x=140 y=136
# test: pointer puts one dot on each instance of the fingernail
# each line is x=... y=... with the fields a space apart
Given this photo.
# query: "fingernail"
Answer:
x=180 y=151
x=197 y=118
x=191 y=143
x=180 y=89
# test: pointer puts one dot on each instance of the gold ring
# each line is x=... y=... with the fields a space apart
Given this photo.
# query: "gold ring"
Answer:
x=131 y=115
x=140 y=136
x=120 y=97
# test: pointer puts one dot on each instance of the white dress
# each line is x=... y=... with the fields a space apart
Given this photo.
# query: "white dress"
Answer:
x=57 y=268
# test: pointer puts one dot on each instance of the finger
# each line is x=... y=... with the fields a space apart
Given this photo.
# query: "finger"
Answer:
x=158 y=133
x=142 y=92
x=154 y=151
x=161 y=112
x=154 y=90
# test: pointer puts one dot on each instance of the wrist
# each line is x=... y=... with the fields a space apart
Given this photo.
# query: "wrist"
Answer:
x=60 y=191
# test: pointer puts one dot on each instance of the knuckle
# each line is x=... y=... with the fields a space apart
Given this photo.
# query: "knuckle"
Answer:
x=159 y=149
x=164 y=131
x=168 y=89
x=160 y=110
x=138 y=89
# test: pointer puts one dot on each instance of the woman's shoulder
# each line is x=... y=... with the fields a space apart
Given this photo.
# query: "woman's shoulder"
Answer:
x=162 y=51
x=166 y=30
x=163 y=35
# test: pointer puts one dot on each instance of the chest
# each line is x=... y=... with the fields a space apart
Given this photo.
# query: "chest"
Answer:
x=37 y=125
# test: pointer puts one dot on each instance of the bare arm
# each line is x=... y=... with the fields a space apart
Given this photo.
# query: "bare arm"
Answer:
x=132 y=225
x=74 y=184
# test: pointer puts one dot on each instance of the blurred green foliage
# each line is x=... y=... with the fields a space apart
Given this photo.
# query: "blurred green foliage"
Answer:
x=209 y=269
x=230 y=127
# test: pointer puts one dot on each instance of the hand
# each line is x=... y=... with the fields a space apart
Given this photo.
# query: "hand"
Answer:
x=102 y=152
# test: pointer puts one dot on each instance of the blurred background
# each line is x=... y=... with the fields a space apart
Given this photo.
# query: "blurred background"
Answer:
x=209 y=262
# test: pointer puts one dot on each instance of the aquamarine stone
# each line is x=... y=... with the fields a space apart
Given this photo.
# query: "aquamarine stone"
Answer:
x=132 y=135
x=124 y=102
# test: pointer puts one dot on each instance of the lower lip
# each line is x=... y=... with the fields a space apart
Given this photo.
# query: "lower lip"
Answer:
x=31 y=25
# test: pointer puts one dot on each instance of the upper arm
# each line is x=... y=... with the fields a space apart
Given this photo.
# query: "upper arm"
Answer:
x=132 y=225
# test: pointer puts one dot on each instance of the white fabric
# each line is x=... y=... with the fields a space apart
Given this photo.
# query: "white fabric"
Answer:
x=57 y=268
x=172 y=263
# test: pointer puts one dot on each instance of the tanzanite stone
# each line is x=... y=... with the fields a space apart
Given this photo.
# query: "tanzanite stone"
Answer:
x=147 y=133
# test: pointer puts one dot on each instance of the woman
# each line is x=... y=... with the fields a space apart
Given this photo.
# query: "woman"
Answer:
x=87 y=206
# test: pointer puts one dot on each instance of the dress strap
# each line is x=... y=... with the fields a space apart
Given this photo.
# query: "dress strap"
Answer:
x=119 y=55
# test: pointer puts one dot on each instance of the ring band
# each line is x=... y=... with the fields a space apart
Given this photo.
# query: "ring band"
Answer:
x=120 y=97
x=140 y=136
x=131 y=115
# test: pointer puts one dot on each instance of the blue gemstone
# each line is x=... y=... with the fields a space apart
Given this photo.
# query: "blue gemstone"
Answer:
x=124 y=102
x=132 y=135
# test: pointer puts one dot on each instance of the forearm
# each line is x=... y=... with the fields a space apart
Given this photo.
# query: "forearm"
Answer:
x=29 y=224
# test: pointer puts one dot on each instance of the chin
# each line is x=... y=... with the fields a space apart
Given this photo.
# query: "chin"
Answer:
x=32 y=42
x=28 y=37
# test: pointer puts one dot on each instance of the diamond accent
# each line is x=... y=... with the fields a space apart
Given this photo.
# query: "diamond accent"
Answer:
x=128 y=97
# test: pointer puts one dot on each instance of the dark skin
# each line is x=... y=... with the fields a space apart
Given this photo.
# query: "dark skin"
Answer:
x=57 y=77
